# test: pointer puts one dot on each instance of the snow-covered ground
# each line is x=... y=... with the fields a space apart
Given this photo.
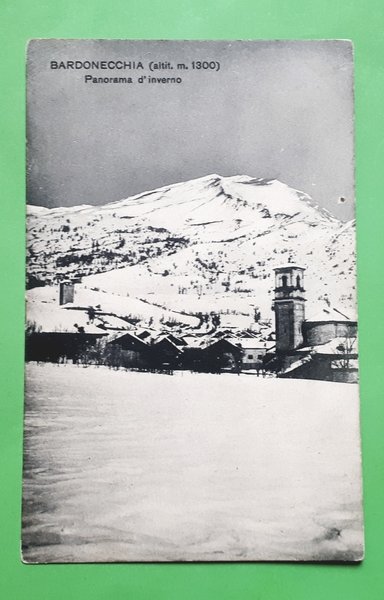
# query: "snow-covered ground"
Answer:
x=201 y=245
x=124 y=466
x=44 y=312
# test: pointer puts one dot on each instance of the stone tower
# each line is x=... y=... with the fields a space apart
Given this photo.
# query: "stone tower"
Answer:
x=289 y=307
x=66 y=292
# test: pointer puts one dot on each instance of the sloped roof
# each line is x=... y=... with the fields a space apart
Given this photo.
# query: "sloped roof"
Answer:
x=229 y=340
x=333 y=347
x=165 y=338
x=254 y=343
x=113 y=337
x=331 y=314
x=198 y=342
x=298 y=363
x=144 y=332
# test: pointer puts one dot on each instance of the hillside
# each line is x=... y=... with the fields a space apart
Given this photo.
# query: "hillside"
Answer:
x=204 y=245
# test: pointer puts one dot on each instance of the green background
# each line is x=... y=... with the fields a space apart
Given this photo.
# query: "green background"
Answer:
x=363 y=22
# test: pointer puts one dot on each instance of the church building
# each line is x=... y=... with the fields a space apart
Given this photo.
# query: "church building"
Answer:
x=320 y=348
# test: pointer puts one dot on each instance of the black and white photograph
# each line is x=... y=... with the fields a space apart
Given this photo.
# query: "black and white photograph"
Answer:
x=191 y=353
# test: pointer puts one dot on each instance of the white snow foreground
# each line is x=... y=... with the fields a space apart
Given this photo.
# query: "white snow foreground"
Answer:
x=124 y=466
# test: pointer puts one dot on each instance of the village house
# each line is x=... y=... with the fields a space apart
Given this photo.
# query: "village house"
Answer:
x=254 y=352
x=224 y=354
x=125 y=349
x=167 y=352
x=60 y=346
x=323 y=346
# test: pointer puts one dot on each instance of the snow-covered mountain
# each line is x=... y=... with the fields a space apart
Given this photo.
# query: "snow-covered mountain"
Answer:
x=209 y=244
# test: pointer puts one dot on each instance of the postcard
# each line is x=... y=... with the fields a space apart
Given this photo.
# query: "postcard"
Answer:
x=191 y=325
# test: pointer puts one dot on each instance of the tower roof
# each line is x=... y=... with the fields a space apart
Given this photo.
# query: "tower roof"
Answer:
x=289 y=266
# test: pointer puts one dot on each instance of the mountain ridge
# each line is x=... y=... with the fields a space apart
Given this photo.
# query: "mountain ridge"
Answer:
x=210 y=242
x=213 y=179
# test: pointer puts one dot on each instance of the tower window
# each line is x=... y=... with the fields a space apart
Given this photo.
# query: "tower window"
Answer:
x=284 y=280
x=298 y=282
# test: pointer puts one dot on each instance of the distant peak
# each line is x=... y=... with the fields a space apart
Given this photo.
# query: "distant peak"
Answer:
x=247 y=179
x=209 y=177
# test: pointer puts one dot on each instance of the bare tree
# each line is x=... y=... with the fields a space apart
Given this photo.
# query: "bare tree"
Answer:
x=347 y=349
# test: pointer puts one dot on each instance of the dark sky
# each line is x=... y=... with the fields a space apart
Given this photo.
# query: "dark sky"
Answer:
x=275 y=109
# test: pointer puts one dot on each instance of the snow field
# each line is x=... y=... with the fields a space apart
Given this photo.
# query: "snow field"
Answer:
x=124 y=466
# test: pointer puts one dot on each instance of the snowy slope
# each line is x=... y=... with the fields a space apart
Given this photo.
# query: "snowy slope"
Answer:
x=208 y=244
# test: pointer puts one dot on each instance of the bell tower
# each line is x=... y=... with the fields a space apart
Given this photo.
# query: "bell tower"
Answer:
x=289 y=307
